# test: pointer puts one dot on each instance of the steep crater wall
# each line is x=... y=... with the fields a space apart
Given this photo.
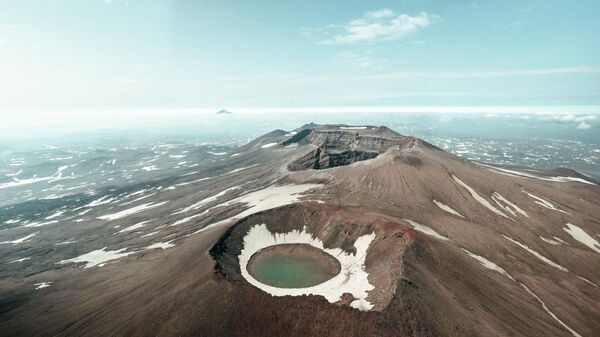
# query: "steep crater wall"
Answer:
x=325 y=227
x=321 y=158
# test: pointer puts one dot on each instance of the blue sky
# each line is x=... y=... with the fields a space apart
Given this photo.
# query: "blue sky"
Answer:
x=105 y=55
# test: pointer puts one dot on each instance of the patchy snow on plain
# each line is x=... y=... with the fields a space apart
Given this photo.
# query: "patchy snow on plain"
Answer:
x=103 y=200
x=149 y=234
x=262 y=200
x=488 y=264
x=160 y=245
x=536 y=254
x=241 y=169
x=507 y=205
x=580 y=235
x=352 y=279
x=186 y=219
x=20 y=240
x=134 y=227
x=98 y=257
x=426 y=230
x=55 y=215
x=447 y=208
x=138 y=199
x=18 y=182
x=40 y=224
x=479 y=198
x=545 y=307
x=150 y=168
x=42 y=285
x=266 y=146
x=207 y=200
x=193 y=181
x=131 y=211
x=270 y=197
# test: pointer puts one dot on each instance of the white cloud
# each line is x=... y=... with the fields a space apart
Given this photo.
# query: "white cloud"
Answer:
x=380 y=14
x=574 y=118
x=378 y=25
x=583 y=126
x=585 y=118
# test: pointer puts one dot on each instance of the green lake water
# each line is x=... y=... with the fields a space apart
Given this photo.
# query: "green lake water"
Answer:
x=285 y=270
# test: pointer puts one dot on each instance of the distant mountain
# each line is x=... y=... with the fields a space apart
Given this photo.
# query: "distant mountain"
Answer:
x=223 y=112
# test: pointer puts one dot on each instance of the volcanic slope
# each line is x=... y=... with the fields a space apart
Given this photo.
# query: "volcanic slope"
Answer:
x=429 y=244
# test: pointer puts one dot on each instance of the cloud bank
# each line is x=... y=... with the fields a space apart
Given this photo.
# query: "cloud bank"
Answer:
x=379 y=25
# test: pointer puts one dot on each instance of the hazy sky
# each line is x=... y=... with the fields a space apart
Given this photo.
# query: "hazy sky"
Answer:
x=60 y=55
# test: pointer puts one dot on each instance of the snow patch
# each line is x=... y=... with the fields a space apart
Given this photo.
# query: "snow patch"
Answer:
x=580 y=235
x=40 y=224
x=98 y=257
x=134 y=227
x=479 y=198
x=519 y=174
x=262 y=200
x=507 y=205
x=545 y=307
x=193 y=182
x=241 y=169
x=426 y=230
x=131 y=211
x=544 y=203
x=104 y=200
x=161 y=245
x=447 y=208
x=207 y=200
x=18 y=182
x=149 y=234
x=488 y=264
x=266 y=146
x=536 y=254
x=588 y=281
x=550 y=241
x=150 y=168
x=42 y=285
x=20 y=240
x=55 y=215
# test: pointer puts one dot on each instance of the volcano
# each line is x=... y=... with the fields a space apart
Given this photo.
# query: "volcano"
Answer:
x=411 y=240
